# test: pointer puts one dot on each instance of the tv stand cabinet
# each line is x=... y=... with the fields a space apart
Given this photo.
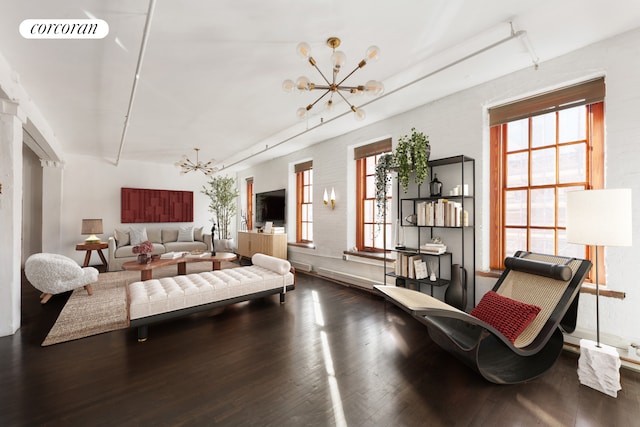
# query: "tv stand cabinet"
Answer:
x=251 y=242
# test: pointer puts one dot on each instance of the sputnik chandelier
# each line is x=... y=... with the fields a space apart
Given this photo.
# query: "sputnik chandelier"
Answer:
x=334 y=86
x=187 y=165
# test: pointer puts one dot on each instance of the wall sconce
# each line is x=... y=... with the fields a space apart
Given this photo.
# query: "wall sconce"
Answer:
x=326 y=199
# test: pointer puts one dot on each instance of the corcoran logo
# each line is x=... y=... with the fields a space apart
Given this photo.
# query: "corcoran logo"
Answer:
x=64 y=29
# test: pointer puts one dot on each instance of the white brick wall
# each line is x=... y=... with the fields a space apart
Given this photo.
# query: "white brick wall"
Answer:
x=458 y=125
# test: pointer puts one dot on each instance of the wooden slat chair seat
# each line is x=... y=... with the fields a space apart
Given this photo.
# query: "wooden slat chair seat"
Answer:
x=535 y=279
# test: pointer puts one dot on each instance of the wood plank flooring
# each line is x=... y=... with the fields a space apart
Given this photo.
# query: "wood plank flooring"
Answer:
x=331 y=355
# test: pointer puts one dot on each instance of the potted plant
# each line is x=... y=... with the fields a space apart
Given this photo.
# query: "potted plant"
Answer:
x=223 y=192
x=410 y=156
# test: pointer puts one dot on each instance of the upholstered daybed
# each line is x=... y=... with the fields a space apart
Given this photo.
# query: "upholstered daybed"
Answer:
x=156 y=300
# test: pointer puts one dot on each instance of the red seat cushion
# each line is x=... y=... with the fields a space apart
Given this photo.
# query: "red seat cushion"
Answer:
x=507 y=315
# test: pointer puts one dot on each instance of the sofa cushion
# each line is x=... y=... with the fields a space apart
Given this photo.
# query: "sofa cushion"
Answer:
x=185 y=233
x=280 y=266
x=154 y=235
x=170 y=235
x=138 y=235
x=122 y=237
x=185 y=246
x=198 y=234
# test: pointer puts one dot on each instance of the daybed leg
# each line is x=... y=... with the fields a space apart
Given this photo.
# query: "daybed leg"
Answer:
x=281 y=297
x=142 y=333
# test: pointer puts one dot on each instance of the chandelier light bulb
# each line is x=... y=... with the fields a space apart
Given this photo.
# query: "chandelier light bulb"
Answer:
x=301 y=113
x=329 y=105
x=338 y=59
x=359 y=114
x=374 y=87
x=303 y=49
x=288 y=85
x=302 y=83
x=372 y=53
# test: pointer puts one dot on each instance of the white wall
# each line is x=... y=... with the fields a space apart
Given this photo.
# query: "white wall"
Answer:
x=458 y=124
x=92 y=190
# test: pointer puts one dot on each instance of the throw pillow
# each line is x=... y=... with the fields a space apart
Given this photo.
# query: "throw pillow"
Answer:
x=122 y=238
x=138 y=235
x=507 y=315
x=198 y=234
x=185 y=233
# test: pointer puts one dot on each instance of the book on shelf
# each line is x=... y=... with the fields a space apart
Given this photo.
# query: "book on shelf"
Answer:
x=433 y=248
x=420 y=269
x=441 y=213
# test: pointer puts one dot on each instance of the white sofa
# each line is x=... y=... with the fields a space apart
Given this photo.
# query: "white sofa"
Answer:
x=169 y=239
x=156 y=300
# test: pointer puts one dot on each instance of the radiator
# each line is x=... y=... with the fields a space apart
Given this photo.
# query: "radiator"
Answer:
x=301 y=266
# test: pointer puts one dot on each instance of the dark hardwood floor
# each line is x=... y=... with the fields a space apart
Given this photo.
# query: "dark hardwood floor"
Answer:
x=330 y=356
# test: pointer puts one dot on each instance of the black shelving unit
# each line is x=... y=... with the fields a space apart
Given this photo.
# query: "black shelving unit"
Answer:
x=460 y=170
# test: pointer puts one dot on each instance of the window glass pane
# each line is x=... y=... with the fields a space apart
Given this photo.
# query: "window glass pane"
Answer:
x=542 y=241
x=562 y=204
x=368 y=235
x=305 y=194
x=572 y=124
x=304 y=232
x=573 y=163
x=543 y=166
x=370 y=192
x=310 y=232
x=368 y=210
x=310 y=212
x=516 y=207
x=517 y=170
x=515 y=240
x=389 y=236
x=304 y=213
x=518 y=135
x=370 y=163
x=569 y=249
x=309 y=179
x=543 y=207
x=543 y=130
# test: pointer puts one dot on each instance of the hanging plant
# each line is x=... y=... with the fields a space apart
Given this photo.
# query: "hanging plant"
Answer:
x=383 y=179
x=412 y=156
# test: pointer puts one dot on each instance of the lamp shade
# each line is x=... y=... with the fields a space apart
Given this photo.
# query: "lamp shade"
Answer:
x=599 y=217
x=92 y=226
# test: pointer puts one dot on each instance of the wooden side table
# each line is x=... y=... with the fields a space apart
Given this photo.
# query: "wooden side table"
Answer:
x=98 y=247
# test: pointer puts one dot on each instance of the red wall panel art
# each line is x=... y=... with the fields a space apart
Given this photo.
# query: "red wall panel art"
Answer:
x=143 y=205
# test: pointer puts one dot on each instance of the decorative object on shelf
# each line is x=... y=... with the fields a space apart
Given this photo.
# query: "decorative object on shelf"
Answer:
x=599 y=218
x=143 y=250
x=399 y=236
x=456 y=293
x=92 y=227
x=411 y=219
x=187 y=165
x=213 y=240
x=334 y=86
x=412 y=156
x=433 y=264
x=223 y=192
x=326 y=200
x=435 y=187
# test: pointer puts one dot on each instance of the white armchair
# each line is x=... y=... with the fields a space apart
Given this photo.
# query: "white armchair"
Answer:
x=53 y=274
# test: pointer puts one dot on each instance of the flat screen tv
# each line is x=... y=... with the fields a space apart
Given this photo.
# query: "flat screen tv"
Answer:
x=270 y=206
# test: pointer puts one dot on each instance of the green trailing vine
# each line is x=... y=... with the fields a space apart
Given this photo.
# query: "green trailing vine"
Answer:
x=383 y=179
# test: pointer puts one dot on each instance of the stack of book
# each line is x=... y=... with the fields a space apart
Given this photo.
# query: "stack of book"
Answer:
x=172 y=255
x=433 y=248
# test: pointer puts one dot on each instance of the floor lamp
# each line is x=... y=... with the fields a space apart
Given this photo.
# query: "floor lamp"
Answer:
x=599 y=218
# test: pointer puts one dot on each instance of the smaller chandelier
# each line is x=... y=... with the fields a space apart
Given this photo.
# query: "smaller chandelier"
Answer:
x=334 y=86
x=187 y=165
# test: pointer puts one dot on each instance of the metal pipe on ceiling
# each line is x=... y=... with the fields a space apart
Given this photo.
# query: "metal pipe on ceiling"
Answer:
x=136 y=77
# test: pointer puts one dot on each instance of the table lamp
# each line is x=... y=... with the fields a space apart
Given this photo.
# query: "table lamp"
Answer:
x=599 y=218
x=92 y=227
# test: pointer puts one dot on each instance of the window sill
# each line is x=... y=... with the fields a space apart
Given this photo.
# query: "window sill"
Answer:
x=302 y=245
x=379 y=256
x=586 y=288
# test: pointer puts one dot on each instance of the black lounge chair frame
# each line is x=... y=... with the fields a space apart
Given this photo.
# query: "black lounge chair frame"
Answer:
x=483 y=348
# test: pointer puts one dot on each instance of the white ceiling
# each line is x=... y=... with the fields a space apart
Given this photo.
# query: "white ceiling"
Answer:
x=212 y=72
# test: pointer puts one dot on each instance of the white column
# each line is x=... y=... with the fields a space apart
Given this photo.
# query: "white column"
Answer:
x=51 y=206
x=11 y=120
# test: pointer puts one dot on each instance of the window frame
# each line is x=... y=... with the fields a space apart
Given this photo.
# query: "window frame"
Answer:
x=498 y=157
x=304 y=171
x=361 y=154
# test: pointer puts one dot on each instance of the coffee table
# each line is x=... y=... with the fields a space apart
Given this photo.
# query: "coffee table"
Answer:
x=146 y=270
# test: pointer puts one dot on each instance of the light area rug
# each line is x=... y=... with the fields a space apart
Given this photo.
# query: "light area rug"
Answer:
x=85 y=315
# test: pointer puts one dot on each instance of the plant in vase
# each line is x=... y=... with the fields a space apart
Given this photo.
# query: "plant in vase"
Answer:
x=412 y=156
x=223 y=194
x=143 y=250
